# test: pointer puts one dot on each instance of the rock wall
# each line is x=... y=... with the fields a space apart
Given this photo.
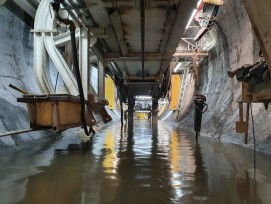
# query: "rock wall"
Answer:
x=16 y=67
x=236 y=45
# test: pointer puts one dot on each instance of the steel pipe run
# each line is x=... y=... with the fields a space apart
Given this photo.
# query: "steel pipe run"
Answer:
x=56 y=6
x=142 y=23
x=88 y=18
x=117 y=70
x=66 y=6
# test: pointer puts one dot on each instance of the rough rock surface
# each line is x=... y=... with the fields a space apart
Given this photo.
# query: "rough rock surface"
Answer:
x=236 y=45
x=16 y=67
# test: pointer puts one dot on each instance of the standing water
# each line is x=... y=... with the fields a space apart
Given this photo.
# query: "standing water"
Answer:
x=146 y=166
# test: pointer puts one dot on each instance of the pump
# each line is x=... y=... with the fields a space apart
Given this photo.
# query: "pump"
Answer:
x=200 y=108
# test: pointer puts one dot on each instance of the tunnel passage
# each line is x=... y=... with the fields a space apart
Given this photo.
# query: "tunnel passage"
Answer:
x=145 y=160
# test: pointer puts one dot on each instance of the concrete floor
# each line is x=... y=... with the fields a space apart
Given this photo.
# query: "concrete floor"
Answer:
x=146 y=166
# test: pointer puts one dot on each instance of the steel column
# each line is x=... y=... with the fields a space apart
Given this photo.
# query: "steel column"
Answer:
x=131 y=105
x=101 y=79
x=154 y=114
x=84 y=59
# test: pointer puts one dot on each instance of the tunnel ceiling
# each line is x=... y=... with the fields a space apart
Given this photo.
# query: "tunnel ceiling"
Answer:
x=165 y=22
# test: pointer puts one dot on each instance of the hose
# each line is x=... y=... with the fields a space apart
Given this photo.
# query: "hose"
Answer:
x=56 y=6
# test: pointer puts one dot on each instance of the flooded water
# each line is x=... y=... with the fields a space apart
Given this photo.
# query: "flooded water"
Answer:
x=148 y=166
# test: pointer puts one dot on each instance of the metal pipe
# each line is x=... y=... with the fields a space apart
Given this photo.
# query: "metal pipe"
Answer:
x=8 y=133
x=56 y=5
x=86 y=12
x=18 y=89
x=74 y=18
x=118 y=72
x=88 y=17
x=142 y=22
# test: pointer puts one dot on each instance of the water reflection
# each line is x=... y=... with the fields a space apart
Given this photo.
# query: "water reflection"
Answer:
x=149 y=165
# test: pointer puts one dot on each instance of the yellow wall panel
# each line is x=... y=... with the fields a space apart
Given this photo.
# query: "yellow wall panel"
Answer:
x=176 y=82
x=110 y=92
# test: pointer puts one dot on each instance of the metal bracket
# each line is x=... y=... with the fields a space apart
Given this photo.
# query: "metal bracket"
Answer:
x=100 y=32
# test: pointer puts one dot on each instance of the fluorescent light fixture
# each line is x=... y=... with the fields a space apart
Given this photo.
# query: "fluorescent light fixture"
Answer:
x=144 y=97
x=198 y=4
x=191 y=18
x=177 y=67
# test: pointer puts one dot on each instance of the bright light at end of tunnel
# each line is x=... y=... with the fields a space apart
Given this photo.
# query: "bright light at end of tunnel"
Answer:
x=144 y=97
x=191 y=18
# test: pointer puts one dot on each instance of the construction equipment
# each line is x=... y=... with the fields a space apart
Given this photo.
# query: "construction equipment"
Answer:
x=256 y=88
x=61 y=111
x=207 y=12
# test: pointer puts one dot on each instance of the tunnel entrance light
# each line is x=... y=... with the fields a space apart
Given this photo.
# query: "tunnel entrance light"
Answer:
x=144 y=97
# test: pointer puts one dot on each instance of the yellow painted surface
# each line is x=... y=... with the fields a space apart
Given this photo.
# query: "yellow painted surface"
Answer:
x=108 y=163
x=141 y=115
x=176 y=82
x=175 y=158
x=110 y=92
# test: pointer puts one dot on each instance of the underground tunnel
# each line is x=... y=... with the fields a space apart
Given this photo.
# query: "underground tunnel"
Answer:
x=135 y=101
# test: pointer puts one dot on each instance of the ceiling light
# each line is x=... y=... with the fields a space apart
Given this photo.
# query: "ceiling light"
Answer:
x=191 y=18
x=177 y=67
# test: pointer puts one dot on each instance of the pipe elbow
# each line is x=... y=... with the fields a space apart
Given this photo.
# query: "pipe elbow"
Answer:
x=65 y=21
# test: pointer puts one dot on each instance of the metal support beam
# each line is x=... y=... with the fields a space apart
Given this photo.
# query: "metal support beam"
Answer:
x=101 y=79
x=117 y=26
x=100 y=32
x=190 y=54
x=136 y=56
x=142 y=23
x=84 y=42
x=65 y=38
x=131 y=105
x=154 y=113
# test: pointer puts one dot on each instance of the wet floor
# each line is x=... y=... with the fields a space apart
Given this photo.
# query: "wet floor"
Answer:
x=163 y=166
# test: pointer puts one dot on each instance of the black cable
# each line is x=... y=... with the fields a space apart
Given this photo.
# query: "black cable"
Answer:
x=56 y=6
x=254 y=139
x=56 y=82
x=254 y=151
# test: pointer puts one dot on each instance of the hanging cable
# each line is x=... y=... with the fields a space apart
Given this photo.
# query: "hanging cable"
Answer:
x=56 y=82
x=56 y=6
x=254 y=139
x=254 y=150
